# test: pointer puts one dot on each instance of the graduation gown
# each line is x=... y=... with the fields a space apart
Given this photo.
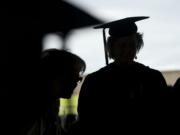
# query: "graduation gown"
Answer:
x=123 y=94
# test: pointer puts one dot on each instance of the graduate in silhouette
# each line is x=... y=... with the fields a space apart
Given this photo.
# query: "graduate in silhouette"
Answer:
x=125 y=94
x=177 y=85
x=25 y=23
x=60 y=72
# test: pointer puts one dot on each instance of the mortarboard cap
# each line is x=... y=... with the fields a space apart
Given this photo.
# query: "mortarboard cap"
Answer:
x=120 y=28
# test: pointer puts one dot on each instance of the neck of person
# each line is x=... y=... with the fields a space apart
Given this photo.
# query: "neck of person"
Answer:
x=123 y=62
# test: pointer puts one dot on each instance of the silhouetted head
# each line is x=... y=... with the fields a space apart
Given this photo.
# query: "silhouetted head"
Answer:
x=61 y=72
x=124 y=49
x=124 y=41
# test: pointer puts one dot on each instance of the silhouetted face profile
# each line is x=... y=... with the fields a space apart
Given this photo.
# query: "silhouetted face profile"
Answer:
x=64 y=84
x=61 y=72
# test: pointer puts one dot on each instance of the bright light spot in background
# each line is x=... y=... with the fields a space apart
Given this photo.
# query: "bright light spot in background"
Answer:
x=52 y=41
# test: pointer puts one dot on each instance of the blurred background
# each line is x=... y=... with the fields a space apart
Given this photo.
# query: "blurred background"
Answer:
x=161 y=32
x=72 y=22
x=161 y=37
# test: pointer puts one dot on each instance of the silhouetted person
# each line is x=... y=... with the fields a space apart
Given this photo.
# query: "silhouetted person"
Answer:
x=176 y=86
x=25 y=23
x=61 y=71
x=175 y=100
x=124 y=95
x=176 y=90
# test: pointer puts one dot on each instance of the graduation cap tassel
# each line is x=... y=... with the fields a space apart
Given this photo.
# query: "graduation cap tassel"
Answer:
x=105 y=47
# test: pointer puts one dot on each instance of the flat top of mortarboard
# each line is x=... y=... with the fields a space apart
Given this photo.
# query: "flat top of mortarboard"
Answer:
x=122 y=27
x=121 y=22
